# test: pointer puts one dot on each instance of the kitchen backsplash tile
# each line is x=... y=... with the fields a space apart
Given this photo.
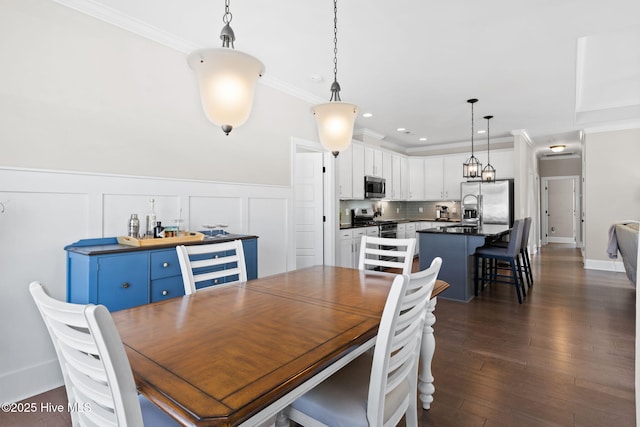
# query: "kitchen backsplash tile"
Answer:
x=398 y=210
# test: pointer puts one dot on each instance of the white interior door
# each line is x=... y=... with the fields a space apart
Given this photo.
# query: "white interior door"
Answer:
x=308 y=209
x=560 y=195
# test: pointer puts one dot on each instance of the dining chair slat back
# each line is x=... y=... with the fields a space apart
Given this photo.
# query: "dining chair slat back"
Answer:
x=383 y=252
x=96 y=371
x=216 y=263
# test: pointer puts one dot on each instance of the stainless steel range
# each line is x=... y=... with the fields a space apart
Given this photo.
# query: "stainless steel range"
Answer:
x=386 y=228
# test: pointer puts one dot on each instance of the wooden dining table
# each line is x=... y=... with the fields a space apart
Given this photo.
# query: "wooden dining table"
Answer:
x=239 y=354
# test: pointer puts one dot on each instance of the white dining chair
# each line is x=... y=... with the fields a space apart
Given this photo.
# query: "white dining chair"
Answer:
x=216 y=262
x=387 y=253
x=95 y=367
x=379 y=388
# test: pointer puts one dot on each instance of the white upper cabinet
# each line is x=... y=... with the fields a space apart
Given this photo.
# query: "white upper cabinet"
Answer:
x=442 y=175
x=430 y=178
x=345 y=174
x=400 y=181
x=416 y=178
x=372 y=162
x=358 y=171
x=387 y=173
x=433 y=178
x=351 y=172
x=452 y=176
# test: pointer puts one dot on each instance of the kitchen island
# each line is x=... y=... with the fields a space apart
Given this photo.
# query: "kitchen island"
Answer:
x=456 y=245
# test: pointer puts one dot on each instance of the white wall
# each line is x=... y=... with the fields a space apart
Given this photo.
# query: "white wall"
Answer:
x=45 y=211
x=527 y=201
x=78 y=94
x=95 y=121
x=612 y=189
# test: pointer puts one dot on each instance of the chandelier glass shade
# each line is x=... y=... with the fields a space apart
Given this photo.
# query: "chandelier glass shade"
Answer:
x=227 y=79
x=472 y=168
x=335 y=119
x=489 y=172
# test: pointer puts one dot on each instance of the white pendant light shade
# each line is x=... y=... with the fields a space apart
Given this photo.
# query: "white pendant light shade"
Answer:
x=335 y=122
x=227 y=79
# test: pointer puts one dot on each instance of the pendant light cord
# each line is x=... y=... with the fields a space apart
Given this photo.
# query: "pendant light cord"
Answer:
x=488 y=149
x=472 y=131
x=335 y=86
x=226 y=35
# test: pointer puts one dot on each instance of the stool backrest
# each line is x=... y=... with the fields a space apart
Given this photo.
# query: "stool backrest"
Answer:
x=515 y=238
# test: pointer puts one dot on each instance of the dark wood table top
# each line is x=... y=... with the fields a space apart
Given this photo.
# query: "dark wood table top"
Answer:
x=220 y=355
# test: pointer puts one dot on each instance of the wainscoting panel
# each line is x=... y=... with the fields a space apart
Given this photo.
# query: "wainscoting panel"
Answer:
x=46 y=210
x=268 y=218
x=214 y=210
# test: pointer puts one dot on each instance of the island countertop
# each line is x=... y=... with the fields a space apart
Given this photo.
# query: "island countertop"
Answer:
x=486 y=230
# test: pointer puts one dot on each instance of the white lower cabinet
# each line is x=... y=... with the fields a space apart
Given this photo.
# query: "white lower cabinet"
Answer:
x=349 y=245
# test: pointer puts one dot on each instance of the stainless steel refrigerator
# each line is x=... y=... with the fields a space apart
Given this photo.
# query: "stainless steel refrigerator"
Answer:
x=496 y=201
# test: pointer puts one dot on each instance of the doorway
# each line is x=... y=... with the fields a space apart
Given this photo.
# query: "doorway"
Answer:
x=309 y=209
x=313 y=183
x=560 y=217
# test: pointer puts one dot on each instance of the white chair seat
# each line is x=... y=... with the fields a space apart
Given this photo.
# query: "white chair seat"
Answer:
x=346 y=393
x=378 y=388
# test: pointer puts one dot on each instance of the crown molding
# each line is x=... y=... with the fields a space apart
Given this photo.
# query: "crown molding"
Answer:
x=150 y=32
x=128 y=23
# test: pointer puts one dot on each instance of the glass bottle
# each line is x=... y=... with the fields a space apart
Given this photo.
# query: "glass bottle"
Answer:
x=151 y=219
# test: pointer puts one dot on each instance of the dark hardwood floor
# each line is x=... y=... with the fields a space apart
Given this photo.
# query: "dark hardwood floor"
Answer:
x=565 y=357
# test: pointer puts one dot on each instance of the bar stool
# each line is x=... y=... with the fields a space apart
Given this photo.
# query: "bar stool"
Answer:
x=508 y=254
x=524 y=251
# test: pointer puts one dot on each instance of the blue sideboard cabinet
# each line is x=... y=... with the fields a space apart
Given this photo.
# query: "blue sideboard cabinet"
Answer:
x=102 y=271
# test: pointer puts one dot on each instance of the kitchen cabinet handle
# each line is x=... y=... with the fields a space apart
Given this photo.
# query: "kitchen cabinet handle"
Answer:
x=165 y=264
x=165 y=292
x=125 y=285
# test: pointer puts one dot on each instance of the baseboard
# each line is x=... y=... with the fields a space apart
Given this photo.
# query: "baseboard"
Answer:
x=598 y=264
x=19 y=385
x=561 y=240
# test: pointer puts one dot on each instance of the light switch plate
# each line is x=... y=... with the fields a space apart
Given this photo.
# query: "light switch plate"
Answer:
x=420 y=209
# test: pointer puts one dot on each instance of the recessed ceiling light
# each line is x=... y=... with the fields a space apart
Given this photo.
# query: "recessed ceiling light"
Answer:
x=424 y=138
x=367 y=115
x=557 y=148
x=401 y=129
x=482 y=131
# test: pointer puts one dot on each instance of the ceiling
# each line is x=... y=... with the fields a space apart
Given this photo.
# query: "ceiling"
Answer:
x=540 y=67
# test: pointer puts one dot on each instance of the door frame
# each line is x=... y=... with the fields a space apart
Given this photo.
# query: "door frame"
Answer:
x=545 y=207
x=329 y=203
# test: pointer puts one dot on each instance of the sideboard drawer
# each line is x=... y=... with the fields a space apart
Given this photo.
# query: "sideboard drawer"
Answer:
x=168 y=287
x=164 y=264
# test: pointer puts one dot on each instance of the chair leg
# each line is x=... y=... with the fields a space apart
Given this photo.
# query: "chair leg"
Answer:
x=525 y=270
x=520 y=267
x=477 y=269
x=528 y=261
x=515 y=280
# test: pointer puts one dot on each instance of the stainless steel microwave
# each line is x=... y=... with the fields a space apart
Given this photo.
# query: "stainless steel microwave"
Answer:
x=374 y=187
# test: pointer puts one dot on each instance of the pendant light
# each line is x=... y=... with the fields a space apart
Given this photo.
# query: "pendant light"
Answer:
x=335 y=119
x=472 y=168
x=489 y=172
x=227 y=79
